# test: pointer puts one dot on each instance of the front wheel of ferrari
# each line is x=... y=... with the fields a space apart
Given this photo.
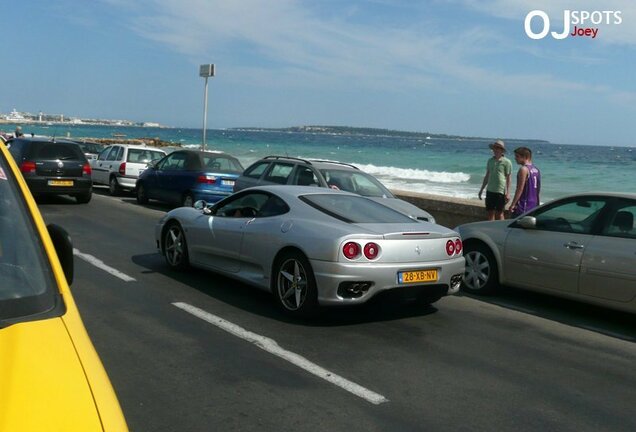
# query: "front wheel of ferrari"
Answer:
x=175 y=247
x=294 y=286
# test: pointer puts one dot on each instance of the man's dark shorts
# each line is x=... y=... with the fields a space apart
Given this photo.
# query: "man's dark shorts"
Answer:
x=495 y=201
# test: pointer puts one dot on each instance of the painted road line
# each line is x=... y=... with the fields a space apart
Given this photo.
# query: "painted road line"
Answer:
x=100 y=264
x=272 y=347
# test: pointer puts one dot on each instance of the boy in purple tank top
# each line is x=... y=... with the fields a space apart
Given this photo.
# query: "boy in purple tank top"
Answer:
x=528 y=183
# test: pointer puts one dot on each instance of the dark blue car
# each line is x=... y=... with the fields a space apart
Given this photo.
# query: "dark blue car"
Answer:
x=185 y=176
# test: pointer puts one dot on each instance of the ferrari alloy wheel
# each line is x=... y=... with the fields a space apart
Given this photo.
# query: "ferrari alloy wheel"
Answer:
x=295 y=286
x=480 y=275
x=175 y=247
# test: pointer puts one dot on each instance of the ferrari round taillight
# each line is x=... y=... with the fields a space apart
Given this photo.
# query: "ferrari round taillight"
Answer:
x=371 y=250
x=450 y=248
x=351 y=250
x=458 y=246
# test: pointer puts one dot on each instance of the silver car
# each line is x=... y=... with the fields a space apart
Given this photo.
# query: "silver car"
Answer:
x=581 y=247
x=313 y=246
x=287 y=170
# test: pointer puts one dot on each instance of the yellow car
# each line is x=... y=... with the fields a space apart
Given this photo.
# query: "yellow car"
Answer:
x=51 y=378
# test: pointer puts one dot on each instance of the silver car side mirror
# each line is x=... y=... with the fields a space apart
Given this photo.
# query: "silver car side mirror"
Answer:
x=527 y=222
x=203 y=206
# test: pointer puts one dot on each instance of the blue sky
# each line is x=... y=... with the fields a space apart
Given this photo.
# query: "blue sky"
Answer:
x=462 y=67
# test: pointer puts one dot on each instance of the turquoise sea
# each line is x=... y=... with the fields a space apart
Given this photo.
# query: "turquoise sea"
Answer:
x=436 y=166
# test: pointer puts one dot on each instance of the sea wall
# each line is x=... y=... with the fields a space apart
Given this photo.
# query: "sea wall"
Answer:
x=447 y=211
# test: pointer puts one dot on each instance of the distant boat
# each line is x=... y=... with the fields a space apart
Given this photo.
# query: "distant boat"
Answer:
x=15 y=116
x=118 y=135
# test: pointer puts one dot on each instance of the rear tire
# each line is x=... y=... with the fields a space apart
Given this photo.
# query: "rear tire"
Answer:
x=294 y=285
x=175 y=247
x=481 y=275
x=113 y=187
x=84 y=198
x=142 y=194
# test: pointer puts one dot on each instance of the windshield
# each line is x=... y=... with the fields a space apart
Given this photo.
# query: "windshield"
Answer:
x=143 y=155
x=55 y=151
x=357 y=182
x=221 y=163
x=91 y=147
x=26 y=280
x=354 y=209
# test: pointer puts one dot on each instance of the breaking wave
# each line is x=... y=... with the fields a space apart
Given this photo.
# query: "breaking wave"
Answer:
x=411 y=174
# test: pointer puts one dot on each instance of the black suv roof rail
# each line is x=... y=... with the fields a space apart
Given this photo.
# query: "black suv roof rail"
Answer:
x=287 y=157
x=335 y=162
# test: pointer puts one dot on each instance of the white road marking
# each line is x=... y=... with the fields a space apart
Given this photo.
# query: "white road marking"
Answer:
x=100 y=264
x=272 y=347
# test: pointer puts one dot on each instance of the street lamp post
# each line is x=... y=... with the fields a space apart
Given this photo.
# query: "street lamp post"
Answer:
x=206 y=71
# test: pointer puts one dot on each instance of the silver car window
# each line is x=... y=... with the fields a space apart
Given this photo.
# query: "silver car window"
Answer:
x=356 y=182
x=143 y=155
x=279 y=173
x=622 y=222
x=104 y=153
x=247 y=205
x=354 y=209
x=577 y=216
x=113 y=154
x=256 y=170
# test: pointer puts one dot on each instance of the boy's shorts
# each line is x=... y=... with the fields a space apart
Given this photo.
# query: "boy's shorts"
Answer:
x=495 y=201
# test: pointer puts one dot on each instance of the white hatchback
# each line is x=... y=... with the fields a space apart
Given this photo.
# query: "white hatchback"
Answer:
x=119 y=165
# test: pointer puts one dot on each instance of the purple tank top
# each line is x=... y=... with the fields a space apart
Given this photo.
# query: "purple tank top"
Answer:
x=530 y=195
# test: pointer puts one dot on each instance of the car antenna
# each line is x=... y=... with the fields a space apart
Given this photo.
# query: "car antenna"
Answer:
x=54 y=133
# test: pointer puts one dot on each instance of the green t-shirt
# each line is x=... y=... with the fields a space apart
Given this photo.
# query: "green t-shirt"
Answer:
x=498 y=171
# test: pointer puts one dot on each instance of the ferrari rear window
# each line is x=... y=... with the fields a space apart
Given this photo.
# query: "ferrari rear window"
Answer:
x=354 y=209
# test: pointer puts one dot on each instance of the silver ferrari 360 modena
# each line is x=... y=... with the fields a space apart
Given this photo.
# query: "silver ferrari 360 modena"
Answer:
x=312 y=247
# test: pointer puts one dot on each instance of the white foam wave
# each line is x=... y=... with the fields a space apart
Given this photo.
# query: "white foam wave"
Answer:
x=455 y=191
x=415 y=174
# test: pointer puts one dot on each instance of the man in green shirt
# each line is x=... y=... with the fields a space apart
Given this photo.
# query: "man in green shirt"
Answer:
x=498 y=171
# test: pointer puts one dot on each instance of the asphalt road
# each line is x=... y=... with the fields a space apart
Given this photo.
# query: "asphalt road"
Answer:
x=517 y=361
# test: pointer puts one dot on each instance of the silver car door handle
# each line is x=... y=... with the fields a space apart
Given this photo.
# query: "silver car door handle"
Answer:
x=573 y=245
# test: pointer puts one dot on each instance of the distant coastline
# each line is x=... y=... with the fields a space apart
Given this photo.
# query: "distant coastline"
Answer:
x=359 y=131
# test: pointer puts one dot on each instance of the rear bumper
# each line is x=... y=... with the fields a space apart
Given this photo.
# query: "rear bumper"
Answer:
x=383 y=277
x=41 y=186
x=210 y=196
x=127 y=182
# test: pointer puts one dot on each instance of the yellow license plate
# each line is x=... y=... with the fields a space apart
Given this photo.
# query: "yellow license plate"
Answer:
x=60 y=182
x=417 y=276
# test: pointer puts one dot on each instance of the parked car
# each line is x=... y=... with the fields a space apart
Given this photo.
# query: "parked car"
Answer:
x=311 y=246
x=91 y=149
x=52 y=378
x=53 y=167
x=329 y=174
x=119 y=165
x=581 y=247
x=184 y=176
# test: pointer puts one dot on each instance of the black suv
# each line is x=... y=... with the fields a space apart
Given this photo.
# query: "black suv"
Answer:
x=53 y=167
x=322 y=173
